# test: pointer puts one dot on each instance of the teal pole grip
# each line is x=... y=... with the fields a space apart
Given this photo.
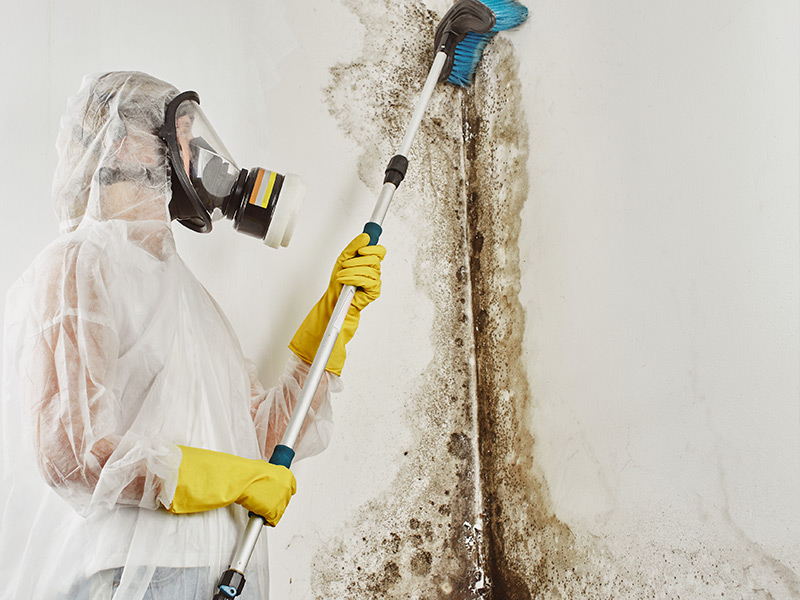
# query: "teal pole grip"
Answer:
x=374 y=231
x=282 y=455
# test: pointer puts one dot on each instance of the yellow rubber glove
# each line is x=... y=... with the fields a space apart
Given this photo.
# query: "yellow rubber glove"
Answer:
x=208 y=480
x=359 y=265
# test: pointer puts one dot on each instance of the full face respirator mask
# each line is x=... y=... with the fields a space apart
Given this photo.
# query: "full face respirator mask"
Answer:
x=207 y=184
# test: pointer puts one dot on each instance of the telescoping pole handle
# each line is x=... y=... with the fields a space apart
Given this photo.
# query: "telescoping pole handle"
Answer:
x=232 y=581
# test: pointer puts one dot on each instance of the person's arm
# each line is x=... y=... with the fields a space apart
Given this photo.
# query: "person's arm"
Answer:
x=68 y=359
x=67 y=364
x=357 y=265
x=271 y=410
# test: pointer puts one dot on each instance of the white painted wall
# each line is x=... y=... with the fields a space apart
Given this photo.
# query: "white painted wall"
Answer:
x=660 y=245
x=661 y=268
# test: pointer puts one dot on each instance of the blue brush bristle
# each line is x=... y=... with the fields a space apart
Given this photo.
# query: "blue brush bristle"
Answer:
x=507 y=12
x=467 y=55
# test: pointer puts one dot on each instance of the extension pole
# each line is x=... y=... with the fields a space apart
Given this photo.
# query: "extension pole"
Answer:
x=336 y=321
x=232 y=581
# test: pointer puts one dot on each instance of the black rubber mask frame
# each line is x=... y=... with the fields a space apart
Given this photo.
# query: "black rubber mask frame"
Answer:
x=185 y=205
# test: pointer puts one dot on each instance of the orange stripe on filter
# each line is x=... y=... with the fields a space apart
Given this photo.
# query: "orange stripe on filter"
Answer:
x=256 y=193
x=268 y=193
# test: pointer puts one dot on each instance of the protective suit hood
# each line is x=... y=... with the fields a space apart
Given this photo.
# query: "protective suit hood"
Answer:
x=111 y=162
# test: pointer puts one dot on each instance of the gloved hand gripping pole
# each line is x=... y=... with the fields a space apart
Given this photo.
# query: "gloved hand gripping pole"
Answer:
x=232 y=581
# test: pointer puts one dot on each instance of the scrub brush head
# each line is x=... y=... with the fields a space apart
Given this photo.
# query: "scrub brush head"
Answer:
x=465 y=30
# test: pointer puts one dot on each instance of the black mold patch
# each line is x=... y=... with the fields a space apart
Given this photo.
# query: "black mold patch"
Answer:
x=466 y=185
x=463 y=195
x=413 y=542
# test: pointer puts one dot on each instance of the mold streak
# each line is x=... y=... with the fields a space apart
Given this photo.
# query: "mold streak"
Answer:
x=423 y=538
x=495 y=147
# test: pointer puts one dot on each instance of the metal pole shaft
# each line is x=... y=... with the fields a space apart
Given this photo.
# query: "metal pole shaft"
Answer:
x=422 y=104
x=325 y=349
x=246 y=545
x=382 y=205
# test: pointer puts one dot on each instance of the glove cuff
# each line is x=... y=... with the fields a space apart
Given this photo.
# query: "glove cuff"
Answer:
x=308 y=337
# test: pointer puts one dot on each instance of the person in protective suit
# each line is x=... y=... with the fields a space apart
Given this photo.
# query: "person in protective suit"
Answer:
x=145 y=426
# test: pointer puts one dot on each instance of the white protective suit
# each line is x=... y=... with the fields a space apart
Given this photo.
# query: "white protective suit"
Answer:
x=114 y=354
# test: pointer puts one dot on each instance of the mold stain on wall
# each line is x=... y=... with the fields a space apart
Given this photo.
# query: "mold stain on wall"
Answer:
x=470 y=514
x=422 y=539
x=530 y=552
x=454 y=533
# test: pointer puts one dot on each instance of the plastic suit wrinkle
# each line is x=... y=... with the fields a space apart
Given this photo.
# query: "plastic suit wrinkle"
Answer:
x=271 y=423
x=70 y=363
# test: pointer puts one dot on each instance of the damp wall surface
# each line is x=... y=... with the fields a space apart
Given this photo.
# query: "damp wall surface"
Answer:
x=581 y=379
